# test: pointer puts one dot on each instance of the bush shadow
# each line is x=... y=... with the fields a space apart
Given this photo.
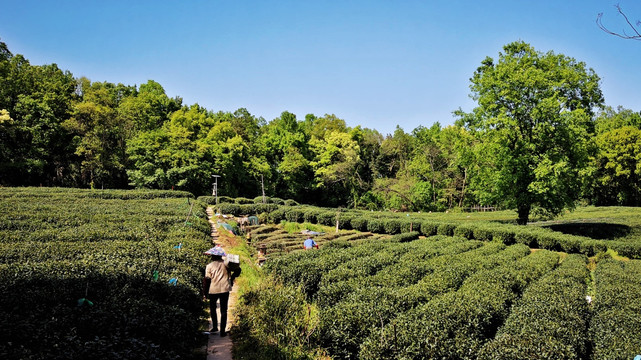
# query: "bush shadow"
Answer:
x=594 y=230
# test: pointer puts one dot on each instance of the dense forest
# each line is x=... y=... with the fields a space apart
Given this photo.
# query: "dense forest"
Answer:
x=540 y=138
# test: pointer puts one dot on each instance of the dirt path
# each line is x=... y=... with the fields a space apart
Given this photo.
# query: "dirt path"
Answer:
x=219 y=348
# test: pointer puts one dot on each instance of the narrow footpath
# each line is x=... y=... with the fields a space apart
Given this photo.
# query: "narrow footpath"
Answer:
x=219 y=348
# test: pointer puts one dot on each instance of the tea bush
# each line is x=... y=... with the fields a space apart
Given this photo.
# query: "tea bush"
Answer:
x=118 y=250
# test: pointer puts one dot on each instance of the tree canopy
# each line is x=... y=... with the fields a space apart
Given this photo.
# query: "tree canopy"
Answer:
x=535 y=118
x=535 y=141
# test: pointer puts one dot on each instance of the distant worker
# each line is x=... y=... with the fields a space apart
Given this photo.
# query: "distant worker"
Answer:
x=310 y=243
x=217 y=283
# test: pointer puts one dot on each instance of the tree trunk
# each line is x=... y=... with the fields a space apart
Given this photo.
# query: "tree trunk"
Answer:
x=524 y=214
x=460 y=203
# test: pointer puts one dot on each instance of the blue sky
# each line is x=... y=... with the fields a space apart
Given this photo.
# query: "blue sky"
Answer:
x=377 y=64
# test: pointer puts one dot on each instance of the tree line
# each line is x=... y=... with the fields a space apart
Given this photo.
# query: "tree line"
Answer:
x=540 y=139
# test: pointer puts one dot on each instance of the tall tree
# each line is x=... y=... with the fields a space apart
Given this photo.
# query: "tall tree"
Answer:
x=335 y=163
x=284 y=144
x=615 y=172
x=100 y=134
x=619 y=161
x=39 y=99
x=535 y=116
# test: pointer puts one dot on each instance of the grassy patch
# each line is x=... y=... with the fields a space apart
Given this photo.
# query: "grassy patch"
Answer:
x=293 y=227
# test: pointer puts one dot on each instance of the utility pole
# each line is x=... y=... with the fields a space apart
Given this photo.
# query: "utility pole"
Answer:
x=262 y=185
x=215 y=189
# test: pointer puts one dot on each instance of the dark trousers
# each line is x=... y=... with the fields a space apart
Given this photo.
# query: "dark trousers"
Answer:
x=224 y=300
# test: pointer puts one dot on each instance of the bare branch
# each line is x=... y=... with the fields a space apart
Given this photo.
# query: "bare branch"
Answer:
x=624 y=35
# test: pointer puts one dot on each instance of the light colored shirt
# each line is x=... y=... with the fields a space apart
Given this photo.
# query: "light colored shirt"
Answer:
x=219 y=274
x=309 y=243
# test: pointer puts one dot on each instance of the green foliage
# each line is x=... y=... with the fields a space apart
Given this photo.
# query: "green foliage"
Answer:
x=274 y=322
x=60 y=246
x=375 y=226
x=552 y=315
x=440 y=296
x=429 y=228
x=457 y=323
x=64 y=131
x=538 y=144
x=619 y=167
x=616 y=312
x=446 y=229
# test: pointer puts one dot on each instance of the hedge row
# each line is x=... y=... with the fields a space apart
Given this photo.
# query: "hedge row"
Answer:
x=552 y=315
x=532 y=236
x=309 y=268
x=373 y=282
x=56 y=193
x=457 y=324
x=118 y=254
x=367 y=303
x=245 y=209
x=617 y=311
x=211 y=200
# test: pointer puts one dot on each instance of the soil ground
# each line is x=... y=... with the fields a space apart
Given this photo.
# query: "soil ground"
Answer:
x=219 y=348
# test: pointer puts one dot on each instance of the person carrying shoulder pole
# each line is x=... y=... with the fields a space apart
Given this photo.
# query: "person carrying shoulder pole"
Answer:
x=217 y=283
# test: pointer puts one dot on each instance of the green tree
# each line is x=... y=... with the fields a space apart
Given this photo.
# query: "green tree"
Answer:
x=610 y=119
x=188 y=149
x=619 y=167
x=284 y=144
x=428 y=164
x=335 y=163
x=176 y=155
x=100 y=134
x=35 y=148
x=148 y=108
x=534 y=116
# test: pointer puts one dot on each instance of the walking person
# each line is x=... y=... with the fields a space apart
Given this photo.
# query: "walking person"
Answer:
x=217 y=283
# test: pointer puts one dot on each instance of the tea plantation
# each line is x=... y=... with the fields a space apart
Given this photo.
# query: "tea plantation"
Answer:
x=451 y=287
x=445 y=297
x=90 y=274
x=100 y=274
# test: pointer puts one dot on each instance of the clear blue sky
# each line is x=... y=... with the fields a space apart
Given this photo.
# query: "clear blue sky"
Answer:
x=372 y=63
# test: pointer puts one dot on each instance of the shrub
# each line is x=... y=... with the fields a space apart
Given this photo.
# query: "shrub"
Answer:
x=310 y=215
x=409 y=225
x=359 y=223
x=552 y=314
x=274 y=319
x=526 y=237
x=405 y=237
x=464 y=230
x=290 y=202
x=337 y=244
x=505 y=234
x=118 y=254
x=345 y=221
x=294 y=215
x=229 y=208
x=243 y=201
x=327 y=218
x=375 y=226
x=428 y=228
x=445 y=229
x=259 y=200
x=484 y=232
x=278 y=201
x=392 y=226
x=617 y=311
x=628 y=249
x=276 y=216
